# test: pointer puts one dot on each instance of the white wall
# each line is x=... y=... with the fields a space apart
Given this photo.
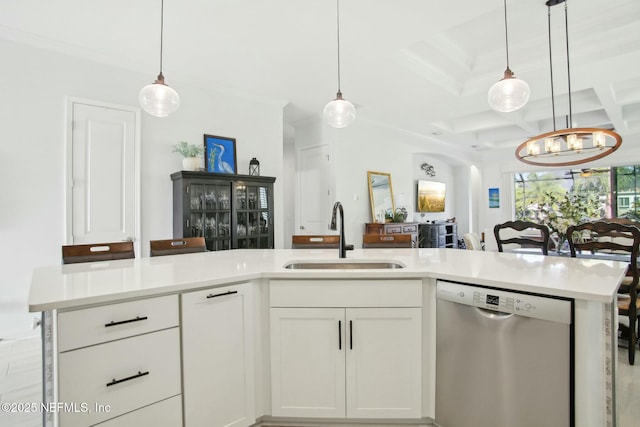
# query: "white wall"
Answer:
x=288 y=176
x=445 y=173
x=34 y=85
x=365 y=146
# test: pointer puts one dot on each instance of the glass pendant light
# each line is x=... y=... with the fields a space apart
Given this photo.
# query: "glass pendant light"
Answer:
x=158 y=99
x=339 y=113
x=510 y=93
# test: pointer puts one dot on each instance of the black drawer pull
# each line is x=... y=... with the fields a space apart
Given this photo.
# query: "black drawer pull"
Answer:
x=339 y=334
x=138 y=375
x=222 y=294
x=122 y=322
x=350 y=335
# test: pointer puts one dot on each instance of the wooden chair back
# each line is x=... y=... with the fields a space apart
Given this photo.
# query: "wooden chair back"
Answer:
x=537 y=241
x=329 y=241
x=386 y=241
x=603 y=236
x=186 y=245
x=617 y=238
x=72 y=254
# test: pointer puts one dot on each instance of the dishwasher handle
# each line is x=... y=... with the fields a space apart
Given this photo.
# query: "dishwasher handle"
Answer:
x=492 y=314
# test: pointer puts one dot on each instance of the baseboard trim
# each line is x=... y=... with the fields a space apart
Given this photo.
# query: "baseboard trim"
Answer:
x=269 y=421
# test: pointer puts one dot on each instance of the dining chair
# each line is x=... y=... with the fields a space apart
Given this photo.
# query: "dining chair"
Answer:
x=386 y=241
x=329 y=241
x=72 y=254
x=620 y=239
x=472 y=241
x=185 y=245
x=538 y=239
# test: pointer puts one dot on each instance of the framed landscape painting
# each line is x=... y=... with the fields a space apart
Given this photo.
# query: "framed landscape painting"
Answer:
x=431 y=196
x=220 y=154
x=494 y=198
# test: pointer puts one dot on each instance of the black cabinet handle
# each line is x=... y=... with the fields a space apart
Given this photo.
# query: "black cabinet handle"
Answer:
x=122 y=322
x=138 y=375
x=222 y=294
x=339 y=334
x=350 y=335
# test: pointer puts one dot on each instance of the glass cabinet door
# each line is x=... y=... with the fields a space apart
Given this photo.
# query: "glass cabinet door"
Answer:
x=195 y=223
x=210 y=214
x=253 y=224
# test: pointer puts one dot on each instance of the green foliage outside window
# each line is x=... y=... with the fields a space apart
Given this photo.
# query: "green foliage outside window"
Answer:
x=615 y=190
x=559 y=212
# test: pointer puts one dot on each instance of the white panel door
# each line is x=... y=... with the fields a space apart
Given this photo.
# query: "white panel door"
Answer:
x=103 y=173
x=383 y=363
x=314 y=190
x=217 y=357
x=307 y=362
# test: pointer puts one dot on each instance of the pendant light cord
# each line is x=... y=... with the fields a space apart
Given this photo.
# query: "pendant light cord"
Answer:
x=506 y=32
x=553 y=104
x=161 y=31
x=338 y=32
x=566 y=29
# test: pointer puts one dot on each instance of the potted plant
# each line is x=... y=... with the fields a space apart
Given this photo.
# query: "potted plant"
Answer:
x=191 y=153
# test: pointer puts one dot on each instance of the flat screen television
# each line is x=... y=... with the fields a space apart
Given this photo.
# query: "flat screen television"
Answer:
x=431 y=196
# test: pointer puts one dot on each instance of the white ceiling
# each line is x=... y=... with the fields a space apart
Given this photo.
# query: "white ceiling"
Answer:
x=423 y=66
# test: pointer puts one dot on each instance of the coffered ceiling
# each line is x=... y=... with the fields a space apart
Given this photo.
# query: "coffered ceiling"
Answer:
x=423 y=66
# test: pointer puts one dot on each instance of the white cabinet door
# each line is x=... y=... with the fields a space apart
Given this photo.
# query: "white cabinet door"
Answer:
x=384 y=363
x=373 y=353
x=307 y=362
x=217 y=354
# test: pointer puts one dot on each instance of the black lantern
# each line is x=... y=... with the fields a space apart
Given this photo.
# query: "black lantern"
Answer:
x=254 y=167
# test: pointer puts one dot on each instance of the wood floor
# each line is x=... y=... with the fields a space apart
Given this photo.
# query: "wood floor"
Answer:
x=21 y=382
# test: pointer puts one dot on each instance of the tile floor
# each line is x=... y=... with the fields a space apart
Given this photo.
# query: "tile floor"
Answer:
x=20 y=381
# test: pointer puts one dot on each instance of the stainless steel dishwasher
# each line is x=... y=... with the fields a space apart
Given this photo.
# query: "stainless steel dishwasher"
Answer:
x=503 y=358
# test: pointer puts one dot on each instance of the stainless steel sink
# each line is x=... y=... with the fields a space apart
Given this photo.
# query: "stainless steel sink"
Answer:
x=342 y=265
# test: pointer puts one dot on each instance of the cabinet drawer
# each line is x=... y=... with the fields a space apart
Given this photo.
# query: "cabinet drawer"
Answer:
x=346 y=293
x=167 y=413
x=408 y=229
x=81 y=328
x=393 y=229
x=126 y=375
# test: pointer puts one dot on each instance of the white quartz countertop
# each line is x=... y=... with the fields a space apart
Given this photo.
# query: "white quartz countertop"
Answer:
x=76 y=285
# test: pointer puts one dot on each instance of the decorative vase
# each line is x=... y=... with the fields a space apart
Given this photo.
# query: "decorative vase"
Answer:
x=191 y=164
x=562 y=240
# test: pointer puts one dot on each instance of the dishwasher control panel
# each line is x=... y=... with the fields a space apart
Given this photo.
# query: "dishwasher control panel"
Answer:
x=508 y=302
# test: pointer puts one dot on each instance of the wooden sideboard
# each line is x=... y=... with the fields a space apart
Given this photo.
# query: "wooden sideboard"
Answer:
x=394 y=228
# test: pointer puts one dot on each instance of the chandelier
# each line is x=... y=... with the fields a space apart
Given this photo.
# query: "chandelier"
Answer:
x=570 y=146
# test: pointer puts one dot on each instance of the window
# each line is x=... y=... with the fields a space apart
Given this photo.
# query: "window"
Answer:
x=616 y=189
x=626 y=180
x=623 y=202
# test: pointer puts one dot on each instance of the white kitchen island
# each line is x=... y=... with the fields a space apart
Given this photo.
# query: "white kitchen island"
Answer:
x=208 y=323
